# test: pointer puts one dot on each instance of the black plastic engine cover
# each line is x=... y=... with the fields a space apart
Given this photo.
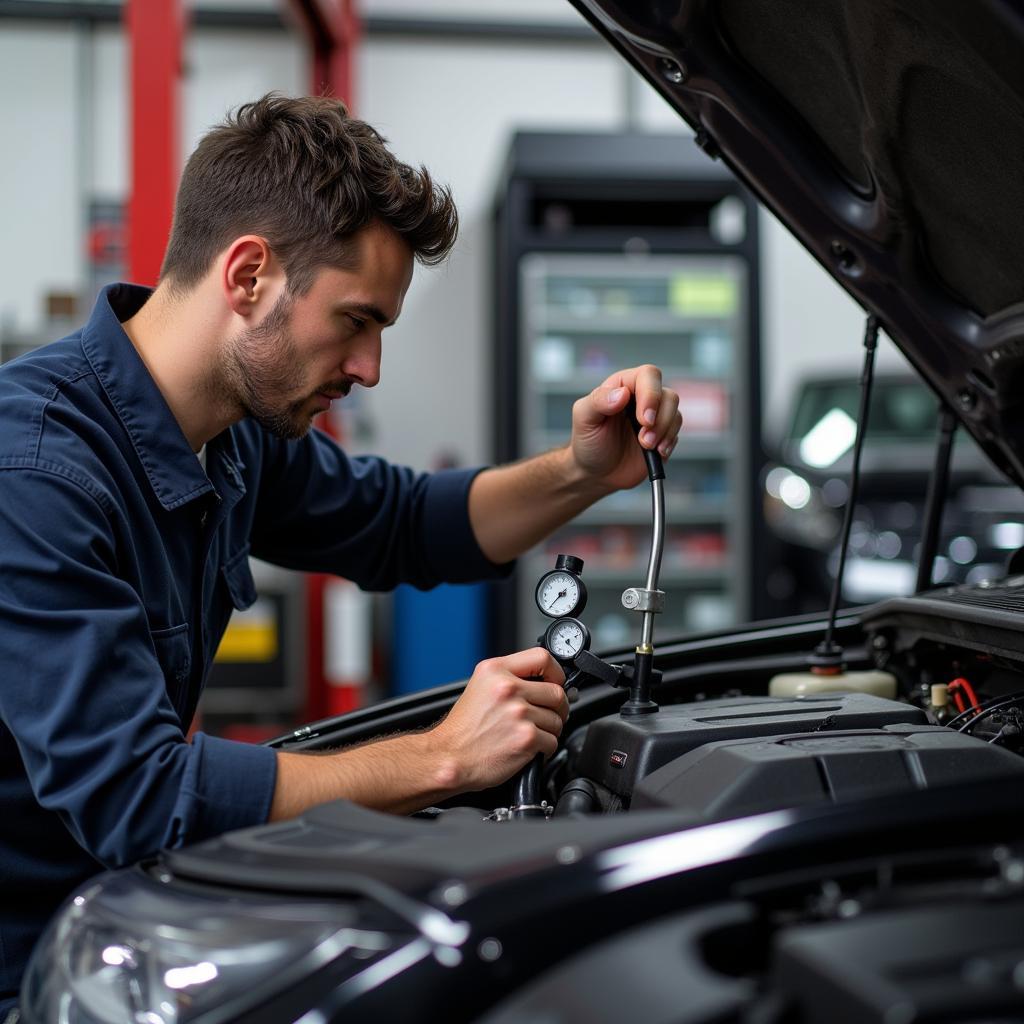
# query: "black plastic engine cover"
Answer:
x=619 y=752
x=733 y=778
x=958 y=962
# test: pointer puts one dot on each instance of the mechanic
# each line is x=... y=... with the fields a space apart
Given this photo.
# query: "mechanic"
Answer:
x=144 y=458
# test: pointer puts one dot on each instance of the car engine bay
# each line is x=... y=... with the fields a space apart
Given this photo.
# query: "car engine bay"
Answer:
x=737 y=750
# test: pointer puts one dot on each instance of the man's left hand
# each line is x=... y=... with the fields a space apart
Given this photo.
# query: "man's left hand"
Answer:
x=604 y=445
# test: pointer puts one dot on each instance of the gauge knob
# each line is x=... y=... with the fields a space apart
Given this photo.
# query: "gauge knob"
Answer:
x=570 y=562
x=566 y=637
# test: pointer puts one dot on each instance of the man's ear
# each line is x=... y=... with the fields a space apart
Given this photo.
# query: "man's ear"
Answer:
x=248 y=275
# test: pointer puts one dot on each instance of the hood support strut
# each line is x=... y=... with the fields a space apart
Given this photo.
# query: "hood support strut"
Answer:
x=828 y=655
x=938 y=485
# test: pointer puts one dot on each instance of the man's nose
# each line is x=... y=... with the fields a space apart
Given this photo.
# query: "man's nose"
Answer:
x=362 y=363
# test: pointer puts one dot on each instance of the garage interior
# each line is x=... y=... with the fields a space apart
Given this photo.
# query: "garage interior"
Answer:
x=497 y=99
x=834 y=565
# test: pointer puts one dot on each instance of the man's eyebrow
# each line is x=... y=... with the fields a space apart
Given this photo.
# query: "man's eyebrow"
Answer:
x=370 y=310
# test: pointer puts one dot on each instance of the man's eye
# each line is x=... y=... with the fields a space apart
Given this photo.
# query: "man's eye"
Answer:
x=357 y=322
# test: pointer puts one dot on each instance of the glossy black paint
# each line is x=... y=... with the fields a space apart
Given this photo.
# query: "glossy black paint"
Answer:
x=637 y=873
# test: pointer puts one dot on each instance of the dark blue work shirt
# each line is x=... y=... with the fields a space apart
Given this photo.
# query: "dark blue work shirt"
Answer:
x=120 y=563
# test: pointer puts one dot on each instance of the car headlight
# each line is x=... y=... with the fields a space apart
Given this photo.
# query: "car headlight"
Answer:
x=128 y=951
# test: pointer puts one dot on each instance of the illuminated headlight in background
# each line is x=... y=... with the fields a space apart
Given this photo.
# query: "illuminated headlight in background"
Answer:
x=889 y=544
x=795 y=491
x=126 y=952
x=797 y=511
x=1007 y=536
x=962 y=550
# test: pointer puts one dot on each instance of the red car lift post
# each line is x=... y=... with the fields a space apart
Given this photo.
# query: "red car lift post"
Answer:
x=155 y=30
x=337 y=613
x=332 y=28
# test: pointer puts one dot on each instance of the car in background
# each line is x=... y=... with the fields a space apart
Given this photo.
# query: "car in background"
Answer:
x=801 y=833
x=805 y=490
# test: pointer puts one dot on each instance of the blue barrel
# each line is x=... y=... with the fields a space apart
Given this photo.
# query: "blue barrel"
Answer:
x=438 y=636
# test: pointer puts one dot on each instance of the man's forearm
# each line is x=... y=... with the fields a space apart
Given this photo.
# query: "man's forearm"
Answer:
x=400 y=774
x=513 y=507
x=511 y=709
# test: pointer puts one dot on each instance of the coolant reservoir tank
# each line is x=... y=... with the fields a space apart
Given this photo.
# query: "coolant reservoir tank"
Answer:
x=799 y=684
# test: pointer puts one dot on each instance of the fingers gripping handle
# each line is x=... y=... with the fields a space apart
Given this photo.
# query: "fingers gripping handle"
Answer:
x=655 y=467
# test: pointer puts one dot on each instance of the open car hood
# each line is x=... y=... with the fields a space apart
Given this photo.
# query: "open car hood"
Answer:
x=888 y=135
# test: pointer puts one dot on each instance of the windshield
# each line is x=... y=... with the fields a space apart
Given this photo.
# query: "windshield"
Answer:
x=901 y=410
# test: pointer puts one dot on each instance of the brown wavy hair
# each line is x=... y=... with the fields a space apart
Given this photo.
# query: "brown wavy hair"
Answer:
x=307 y=177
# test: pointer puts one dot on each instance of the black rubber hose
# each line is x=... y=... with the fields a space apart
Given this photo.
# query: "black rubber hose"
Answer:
x=655 y=467
x=526 y=792
x=578 y=797
x=526 y=789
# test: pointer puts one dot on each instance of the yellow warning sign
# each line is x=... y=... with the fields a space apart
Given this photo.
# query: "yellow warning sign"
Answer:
x=251 y=635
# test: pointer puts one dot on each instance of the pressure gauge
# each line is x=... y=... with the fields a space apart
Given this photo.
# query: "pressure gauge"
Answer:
x=565 y=638
x=561 y=592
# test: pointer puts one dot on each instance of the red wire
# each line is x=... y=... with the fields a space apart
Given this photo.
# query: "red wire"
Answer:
x=971 y=695
x=956 y=686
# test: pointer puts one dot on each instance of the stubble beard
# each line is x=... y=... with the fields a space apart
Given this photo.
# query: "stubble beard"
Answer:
x=262 y=364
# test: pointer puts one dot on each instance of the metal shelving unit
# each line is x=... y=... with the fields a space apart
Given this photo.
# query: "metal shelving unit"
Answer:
x=583 y=316
x=611 y=252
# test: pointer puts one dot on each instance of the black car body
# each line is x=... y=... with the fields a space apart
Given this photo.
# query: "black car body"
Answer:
x=735 y=856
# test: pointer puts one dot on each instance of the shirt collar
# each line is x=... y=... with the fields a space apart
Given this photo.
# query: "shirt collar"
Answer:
x=166 y=456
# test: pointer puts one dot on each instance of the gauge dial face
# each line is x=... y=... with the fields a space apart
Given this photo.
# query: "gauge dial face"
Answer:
x=560 y=593
x=566 y=638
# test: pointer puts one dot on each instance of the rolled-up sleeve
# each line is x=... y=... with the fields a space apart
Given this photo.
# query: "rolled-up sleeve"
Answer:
x=84 y=692
x=366 y=519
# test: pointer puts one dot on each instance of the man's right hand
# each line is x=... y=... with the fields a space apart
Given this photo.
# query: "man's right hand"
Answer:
x=512 y=708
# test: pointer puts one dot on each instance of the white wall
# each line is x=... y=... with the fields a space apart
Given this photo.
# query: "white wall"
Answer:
x=227 y=67
x=110 y=115
x=450 y=105
x=40 y=209
x=65 y=127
